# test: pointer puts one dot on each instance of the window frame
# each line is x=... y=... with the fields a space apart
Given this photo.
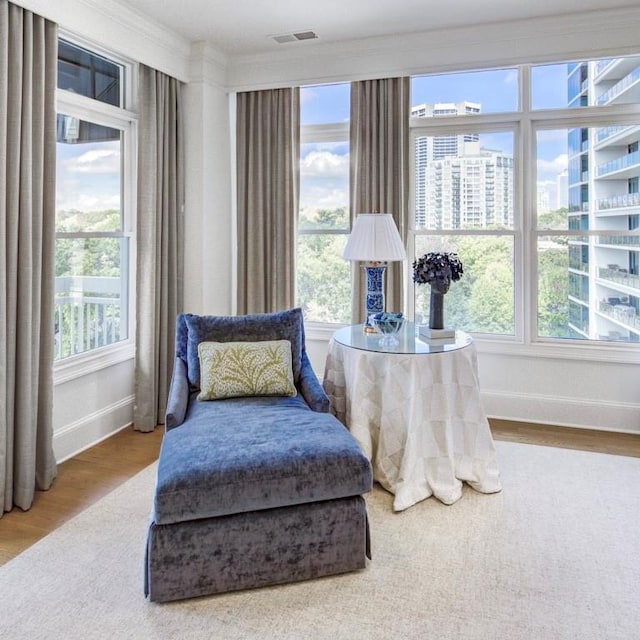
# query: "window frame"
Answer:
x=124 y=119
x=321 y=133
x=525 y=123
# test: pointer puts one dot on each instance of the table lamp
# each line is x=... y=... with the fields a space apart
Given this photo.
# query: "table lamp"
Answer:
x=375 y=241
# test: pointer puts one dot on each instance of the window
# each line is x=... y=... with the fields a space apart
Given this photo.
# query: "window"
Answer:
x=463 y=195
x=323 y=276
x=539 y=201
x=94 y=187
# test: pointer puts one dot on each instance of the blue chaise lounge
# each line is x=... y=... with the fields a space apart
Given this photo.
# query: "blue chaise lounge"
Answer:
x=252 y=490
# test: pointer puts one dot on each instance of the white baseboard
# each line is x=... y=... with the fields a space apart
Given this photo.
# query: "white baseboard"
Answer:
x=567 y=412
x=77 y=436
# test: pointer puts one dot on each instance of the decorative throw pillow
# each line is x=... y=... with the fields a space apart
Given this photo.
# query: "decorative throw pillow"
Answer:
x=236 y=369
x=279 y=325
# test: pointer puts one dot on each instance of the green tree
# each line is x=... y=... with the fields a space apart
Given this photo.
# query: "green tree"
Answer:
x=553 y=291
x=323 y=276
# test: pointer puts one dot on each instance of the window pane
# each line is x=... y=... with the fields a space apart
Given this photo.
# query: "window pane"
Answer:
x=585 y=83
x=88 y=74
x=464 y=181
x=324 y=185
x=482 y=301
x=599 y=192
x=589 y=287
x=88 y=180
x=555 y=281
x=325 y=104
x=91 y=293
x=588 y=177
x=324 y=278
x=491 y=91
x=92 y=271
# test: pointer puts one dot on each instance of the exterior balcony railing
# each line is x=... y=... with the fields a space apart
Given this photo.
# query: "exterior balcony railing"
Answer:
x=578 y=265
x=619 y=87
x=601 y=65
x=88 y=314
x=619 y=276
x=623 y=162
x=621 y=313
x=621 y=201
x=604 y=133
x=631 y=242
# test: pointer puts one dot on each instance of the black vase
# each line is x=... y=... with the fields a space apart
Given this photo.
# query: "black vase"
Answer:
x=436 y=309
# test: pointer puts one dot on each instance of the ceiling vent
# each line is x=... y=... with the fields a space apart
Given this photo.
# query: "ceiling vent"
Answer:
x=295 y=37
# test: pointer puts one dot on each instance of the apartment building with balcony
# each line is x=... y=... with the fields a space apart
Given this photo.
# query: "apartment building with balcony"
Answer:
x=604 y=195
x=429 y=149
x=469 y=190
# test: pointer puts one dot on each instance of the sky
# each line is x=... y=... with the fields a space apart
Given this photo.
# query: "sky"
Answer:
x=324 y=168
x=89 y=173
x=88 y=176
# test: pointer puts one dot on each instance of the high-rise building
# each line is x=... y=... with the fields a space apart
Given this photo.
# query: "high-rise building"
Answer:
x=430 y=148
x=469 y=190
x=604 y=194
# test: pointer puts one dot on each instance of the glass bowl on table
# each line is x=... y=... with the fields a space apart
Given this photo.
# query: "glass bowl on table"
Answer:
x=388 y=325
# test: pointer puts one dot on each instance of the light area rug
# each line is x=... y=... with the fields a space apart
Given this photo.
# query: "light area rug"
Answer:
x=554 y=556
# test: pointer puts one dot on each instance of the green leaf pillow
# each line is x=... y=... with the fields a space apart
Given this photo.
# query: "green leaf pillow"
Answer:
x=236 y=369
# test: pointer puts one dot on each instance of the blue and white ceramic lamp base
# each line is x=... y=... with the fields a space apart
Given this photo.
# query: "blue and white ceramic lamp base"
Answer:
x=375 y=292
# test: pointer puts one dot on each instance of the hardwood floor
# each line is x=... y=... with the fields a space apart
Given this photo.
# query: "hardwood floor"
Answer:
x=621 y=444
x=95 y=472
x=81 y=481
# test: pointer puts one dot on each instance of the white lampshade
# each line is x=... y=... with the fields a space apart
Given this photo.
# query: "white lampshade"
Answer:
x=374 y=238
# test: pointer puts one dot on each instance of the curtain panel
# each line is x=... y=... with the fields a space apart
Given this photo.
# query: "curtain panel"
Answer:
x=28 y=62
x=268 y=155
x=379 y=171
x=160 y=238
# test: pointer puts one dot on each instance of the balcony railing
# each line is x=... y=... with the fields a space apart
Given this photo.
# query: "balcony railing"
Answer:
x=619 y=87
x=619 y=277
x=632 y=242
x=89 y=314
x=601 y=65
x=622 y=313
x=619 y=202
x=604 y=133
x=623 y=162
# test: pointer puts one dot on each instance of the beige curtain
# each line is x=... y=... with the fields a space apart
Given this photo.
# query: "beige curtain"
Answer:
x=268 y=153
x=28 y=60
x=379 y=149
x=160 y=232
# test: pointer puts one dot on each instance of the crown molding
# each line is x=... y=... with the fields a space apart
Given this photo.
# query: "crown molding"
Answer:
x=208 y=65
x=596 y=33
x=114 y=25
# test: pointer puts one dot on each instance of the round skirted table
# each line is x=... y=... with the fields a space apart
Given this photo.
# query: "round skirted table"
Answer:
x=416 y=411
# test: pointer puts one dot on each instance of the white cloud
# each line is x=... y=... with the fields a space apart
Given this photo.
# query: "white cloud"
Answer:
x=554 y=166
x=511 y=77
x=95 y=161
x=319 y=197
x=324 y=164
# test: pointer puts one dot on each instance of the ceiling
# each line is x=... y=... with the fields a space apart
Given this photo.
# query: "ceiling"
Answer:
x=244 y=27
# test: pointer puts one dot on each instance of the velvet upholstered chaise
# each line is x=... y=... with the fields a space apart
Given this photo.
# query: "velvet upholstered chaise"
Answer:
x=258 y=489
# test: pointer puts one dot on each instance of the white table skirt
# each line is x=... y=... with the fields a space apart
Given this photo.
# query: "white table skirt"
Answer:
x=419 y=419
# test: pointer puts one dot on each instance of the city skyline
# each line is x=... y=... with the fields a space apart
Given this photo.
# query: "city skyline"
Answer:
x=323 y=166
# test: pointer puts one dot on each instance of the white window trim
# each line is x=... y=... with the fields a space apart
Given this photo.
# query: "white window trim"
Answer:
x=125 y=119
x=525 y=123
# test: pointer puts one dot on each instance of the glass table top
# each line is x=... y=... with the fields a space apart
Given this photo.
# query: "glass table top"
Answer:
x=408 y=340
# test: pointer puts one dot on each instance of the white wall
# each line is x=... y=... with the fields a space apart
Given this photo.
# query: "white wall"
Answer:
x=209 y=229
x=518 y=381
